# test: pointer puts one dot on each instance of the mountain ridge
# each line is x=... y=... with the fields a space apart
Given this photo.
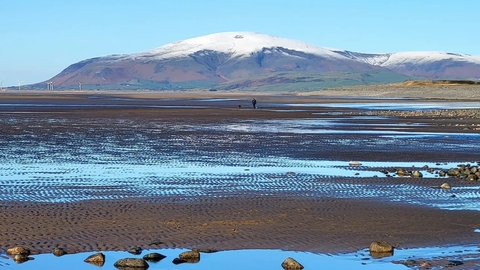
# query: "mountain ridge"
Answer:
x=250 y=60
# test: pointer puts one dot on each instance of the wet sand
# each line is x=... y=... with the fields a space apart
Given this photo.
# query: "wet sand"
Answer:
x=247 y=220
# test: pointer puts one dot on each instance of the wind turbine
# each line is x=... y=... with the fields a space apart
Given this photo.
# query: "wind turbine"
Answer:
x=80 y=86
x=19 y=83
x=1 y=85
x=51 y=85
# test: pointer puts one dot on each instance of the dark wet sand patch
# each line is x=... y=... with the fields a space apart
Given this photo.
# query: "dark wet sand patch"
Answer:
x=310 y=224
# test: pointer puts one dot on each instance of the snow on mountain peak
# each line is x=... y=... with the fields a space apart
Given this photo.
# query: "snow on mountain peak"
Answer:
x=237 y=44
x=420 y=57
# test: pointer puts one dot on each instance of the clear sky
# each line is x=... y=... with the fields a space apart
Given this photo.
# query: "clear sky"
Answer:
x=39 y=38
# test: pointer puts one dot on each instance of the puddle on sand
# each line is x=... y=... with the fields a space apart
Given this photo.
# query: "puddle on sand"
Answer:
x=253 y=259
x=350 y=125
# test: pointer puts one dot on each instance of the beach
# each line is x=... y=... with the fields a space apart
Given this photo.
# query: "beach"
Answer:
x=259 y=200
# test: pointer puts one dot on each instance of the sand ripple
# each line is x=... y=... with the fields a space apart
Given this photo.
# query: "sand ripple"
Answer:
x=63 y=159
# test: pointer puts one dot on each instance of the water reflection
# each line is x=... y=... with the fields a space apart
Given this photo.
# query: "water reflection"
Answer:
x=405 y=105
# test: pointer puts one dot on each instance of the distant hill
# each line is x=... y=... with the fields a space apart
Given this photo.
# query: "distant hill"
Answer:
x=437 y=83
x=245 y=60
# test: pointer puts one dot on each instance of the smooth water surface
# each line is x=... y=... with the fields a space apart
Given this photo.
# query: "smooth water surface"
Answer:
x=407 y=105
x=254 y=259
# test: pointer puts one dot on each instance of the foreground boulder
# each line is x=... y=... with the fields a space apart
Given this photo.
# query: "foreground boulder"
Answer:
x=154 y=257
x=59 y=252
x=18 y=251
x=135 y=250
x=381 y=247
x=291 y=264
x=131 y=263
x=97 y=259
x=189 y=255
x=21 y=258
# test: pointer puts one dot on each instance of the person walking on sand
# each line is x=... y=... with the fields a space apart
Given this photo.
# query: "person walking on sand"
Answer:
x=254 y=103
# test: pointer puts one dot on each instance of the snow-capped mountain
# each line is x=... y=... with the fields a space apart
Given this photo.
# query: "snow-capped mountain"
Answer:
x=234 y=44
x=432 y=65
x=246 y=59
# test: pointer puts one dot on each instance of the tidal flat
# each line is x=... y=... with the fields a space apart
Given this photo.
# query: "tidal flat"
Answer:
x=92 y=172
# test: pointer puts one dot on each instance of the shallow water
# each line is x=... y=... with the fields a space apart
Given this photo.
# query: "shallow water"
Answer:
x=58 y=159
x=406 y=105
x=66 y=182
x=255 y=259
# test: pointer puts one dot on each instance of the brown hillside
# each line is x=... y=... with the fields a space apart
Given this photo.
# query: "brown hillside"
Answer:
x=436 y=82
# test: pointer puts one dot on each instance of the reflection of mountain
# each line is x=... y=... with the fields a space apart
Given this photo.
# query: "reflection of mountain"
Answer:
x=249 y=60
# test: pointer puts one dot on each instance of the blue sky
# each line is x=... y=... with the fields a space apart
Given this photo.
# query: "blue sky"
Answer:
x=39 y=38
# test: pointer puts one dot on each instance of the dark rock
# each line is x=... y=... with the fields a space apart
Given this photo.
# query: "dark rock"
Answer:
x=131 y=263
x=204 y=250
x=454 y=263
x=290 y=263
x=401 y=172
x=21 y=258
x=453 y=172
x=135 y=251
x=154 y=257
x=417 y=174
x=409 y=263
x=178 y=261
x=189 y=255
x=472 y=177
x=18 y=251
x=380 y=247
x=97 y=259
x=59 y=252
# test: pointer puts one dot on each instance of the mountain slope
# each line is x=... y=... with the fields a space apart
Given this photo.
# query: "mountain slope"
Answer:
x=234 y=60
x=432 y=65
